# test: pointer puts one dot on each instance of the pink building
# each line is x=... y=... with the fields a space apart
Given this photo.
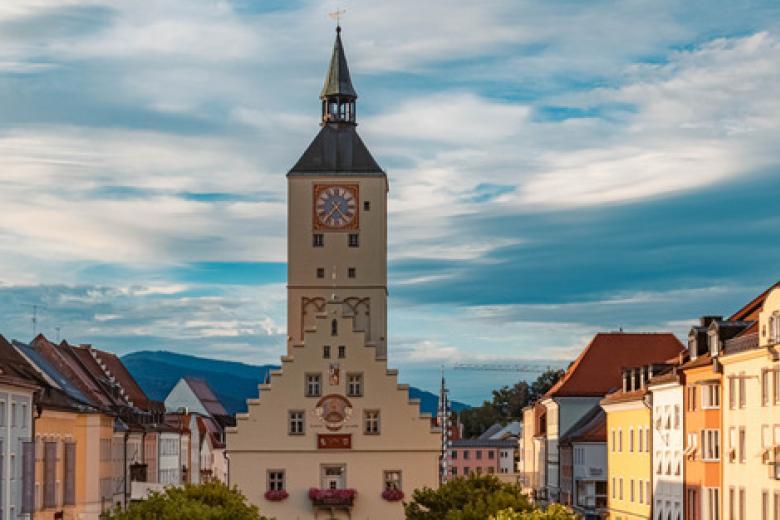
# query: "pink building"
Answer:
x=482 y=456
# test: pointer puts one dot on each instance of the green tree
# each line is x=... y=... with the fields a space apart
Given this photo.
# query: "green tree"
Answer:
x=210 y=501
x=553 y=512
x=544 y=382
x=508 y=403
x=474 y=498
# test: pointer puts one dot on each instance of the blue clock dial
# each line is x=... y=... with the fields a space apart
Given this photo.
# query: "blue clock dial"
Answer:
x=336 y=206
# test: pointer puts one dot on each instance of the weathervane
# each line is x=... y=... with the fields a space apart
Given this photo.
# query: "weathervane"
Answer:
x=336 y=15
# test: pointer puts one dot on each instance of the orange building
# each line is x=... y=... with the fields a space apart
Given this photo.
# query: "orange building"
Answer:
x=703 y=425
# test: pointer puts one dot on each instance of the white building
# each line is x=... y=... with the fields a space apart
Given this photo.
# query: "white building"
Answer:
x=668 y=445
x=584 y=463
x=333 y=432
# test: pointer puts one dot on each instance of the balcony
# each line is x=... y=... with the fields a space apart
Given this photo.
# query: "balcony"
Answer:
x=332 y=499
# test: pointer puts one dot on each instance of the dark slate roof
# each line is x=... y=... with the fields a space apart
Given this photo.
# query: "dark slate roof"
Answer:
x=337 y=150
x=591 y=427
x=491 y=431
x=203 y=392
x=484 y=443
x=337 y=81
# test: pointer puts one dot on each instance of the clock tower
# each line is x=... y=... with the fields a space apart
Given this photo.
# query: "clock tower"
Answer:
x=332 y=434
x=337 y=220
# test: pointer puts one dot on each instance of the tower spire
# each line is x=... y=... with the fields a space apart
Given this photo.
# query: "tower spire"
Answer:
x=338 y=95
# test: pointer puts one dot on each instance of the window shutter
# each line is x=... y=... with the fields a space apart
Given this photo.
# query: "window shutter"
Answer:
x=28 y=477
x=70 y=474
x=49 y=474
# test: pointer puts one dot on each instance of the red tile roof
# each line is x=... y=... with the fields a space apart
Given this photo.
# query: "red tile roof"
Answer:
x=68 y=365
x=750 y=311
x=117 y=369
x=599 y=368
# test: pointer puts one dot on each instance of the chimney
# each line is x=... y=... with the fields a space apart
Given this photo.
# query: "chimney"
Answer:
x=706 y=320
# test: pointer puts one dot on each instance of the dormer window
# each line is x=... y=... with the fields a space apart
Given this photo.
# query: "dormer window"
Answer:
x=714 y=341
x=774 y=327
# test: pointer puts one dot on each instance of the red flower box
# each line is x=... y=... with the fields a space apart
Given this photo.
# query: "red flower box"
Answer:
x=276 y=495
x=332 y=497
x=392 y=495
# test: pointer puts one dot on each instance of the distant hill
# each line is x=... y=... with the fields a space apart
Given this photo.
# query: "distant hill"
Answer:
x=233 y=382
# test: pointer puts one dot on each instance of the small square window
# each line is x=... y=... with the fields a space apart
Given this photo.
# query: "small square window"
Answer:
x=275 y=480
x=393 y=480
x=354 y=240
x=351 y=272
x=326 y=352
x=342 y=351
x=366 y=205
x=318 y=240
x=320 y=272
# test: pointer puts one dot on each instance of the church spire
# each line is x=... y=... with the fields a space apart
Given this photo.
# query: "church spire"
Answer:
x=338 y=95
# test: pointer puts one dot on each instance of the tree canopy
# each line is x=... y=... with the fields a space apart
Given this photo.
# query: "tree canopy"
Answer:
x=209 y=501
x=507 y=403
x=474 y=498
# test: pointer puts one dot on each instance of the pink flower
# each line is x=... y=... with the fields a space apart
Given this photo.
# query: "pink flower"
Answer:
x=276 y=495
x=392 y=495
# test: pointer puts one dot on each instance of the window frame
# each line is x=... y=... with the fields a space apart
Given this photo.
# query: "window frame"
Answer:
x=308 y=384
x=359 y=383
x=318 y=240
x=274 y=484
x=291 y=420
x=376 y=421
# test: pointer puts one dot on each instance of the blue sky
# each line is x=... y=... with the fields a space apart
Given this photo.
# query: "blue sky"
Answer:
x=556 y=168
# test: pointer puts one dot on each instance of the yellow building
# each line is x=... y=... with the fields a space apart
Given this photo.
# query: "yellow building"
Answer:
x=629 y=462
x=751 y=414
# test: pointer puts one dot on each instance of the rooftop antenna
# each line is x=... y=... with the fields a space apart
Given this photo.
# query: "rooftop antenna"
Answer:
x=34 y=319
x=336 y=15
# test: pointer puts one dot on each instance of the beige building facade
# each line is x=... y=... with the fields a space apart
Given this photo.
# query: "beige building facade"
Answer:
x=333 y=434
x=751 y=418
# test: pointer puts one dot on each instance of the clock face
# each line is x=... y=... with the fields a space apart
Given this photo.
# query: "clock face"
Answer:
x=335 y=206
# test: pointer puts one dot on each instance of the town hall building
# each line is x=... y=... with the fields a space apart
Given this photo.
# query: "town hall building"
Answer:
x=332 y=433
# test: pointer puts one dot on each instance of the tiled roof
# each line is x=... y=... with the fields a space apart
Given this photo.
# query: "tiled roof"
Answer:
x=620 y=396
x=206 y=396
x=702 y=360
x=598 y=369
x=67 y=364
x=750 y=311
x=484 y=443
x=128 y=383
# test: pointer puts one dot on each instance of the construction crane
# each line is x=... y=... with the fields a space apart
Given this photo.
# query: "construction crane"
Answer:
x=528 y=368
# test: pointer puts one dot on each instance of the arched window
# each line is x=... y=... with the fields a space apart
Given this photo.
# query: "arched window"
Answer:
x=334 y=328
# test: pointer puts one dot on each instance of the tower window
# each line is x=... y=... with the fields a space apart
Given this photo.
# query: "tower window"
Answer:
x=366 y=205
x=342 y=351
x=313 y=385
x=354 y=240
x=334 y=328
x=320 y=272
x=318 y=240
x=354 y=385
x=295 y=422
x=351 y=272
